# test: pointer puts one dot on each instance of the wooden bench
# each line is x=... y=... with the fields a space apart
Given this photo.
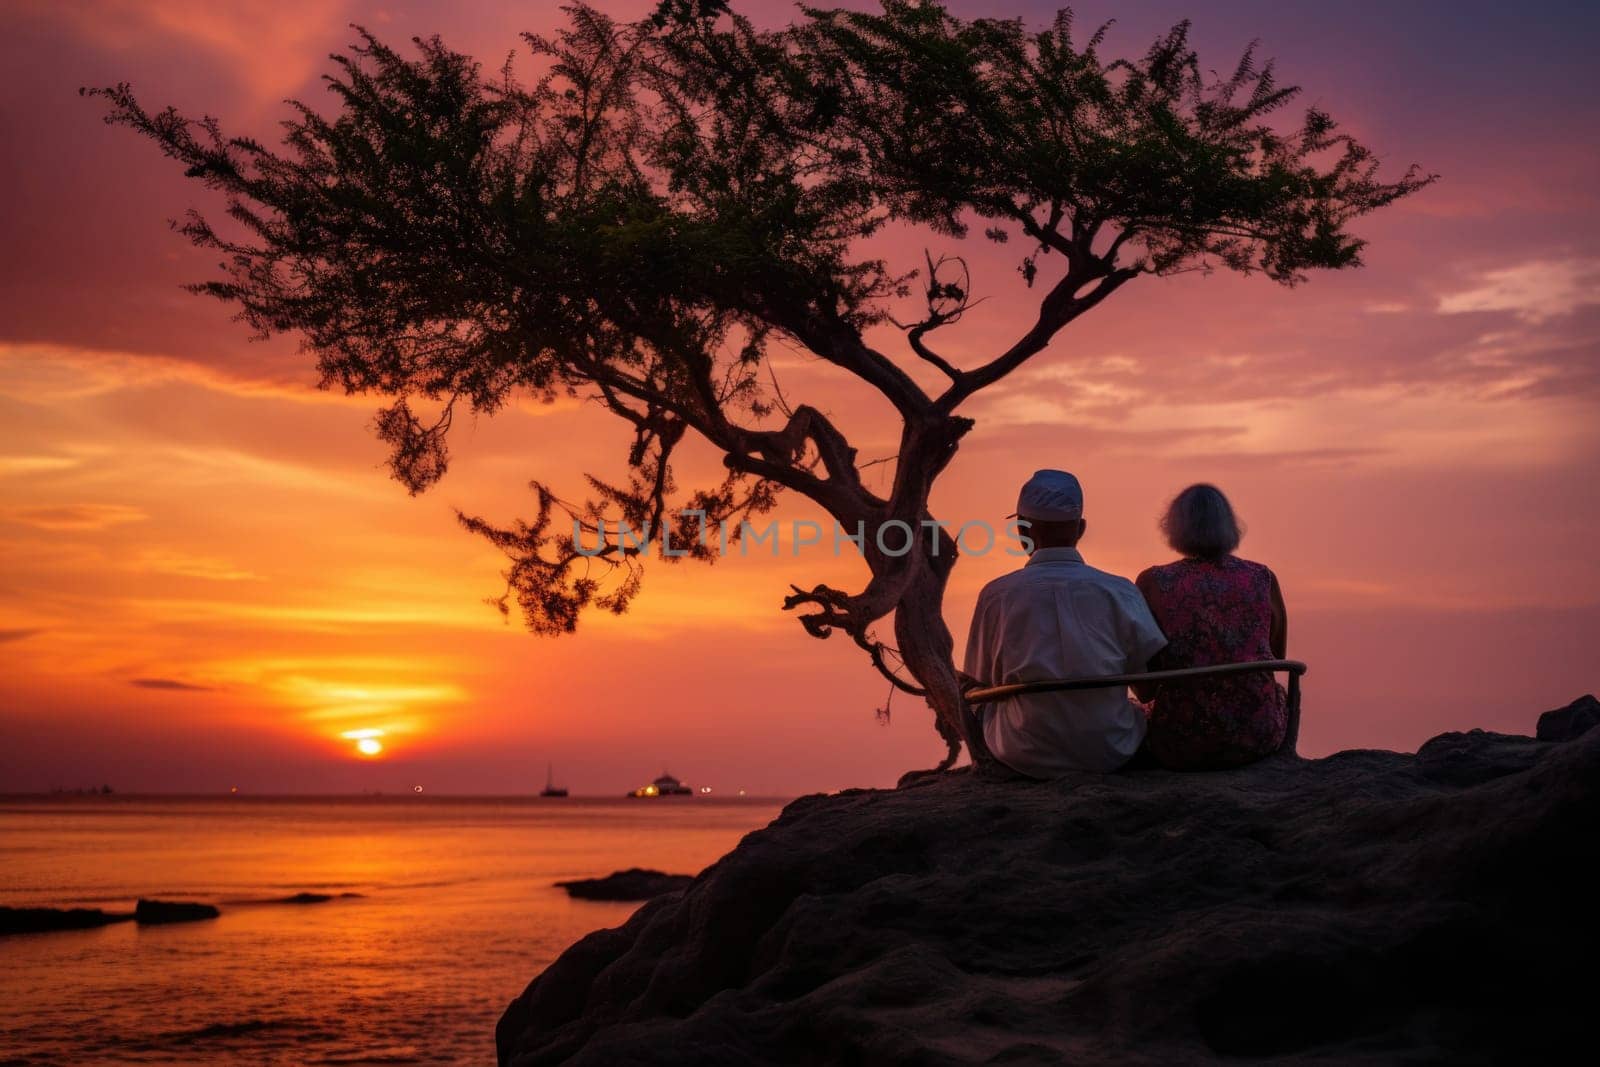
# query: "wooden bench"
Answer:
x=1294 y=668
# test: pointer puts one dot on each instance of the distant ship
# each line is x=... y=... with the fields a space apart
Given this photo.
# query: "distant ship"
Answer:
x=665 y=786
x=550 y=788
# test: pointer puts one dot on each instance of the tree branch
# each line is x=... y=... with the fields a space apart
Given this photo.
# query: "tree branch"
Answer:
x=1059 y=307
x=841 y=611
x=947 y=302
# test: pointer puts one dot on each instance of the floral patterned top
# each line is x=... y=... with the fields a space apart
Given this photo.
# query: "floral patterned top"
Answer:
x=1215 y=611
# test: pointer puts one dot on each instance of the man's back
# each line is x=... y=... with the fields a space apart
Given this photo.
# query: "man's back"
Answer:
x=1058 y=617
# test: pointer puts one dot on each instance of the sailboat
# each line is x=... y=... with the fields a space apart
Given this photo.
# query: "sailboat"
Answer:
x=550 y=788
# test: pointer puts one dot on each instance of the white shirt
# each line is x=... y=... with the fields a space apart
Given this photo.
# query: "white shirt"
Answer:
x=1058 y=617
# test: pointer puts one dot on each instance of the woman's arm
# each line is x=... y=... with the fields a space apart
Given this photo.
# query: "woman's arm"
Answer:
x=1280 y=623
x=1146 y=693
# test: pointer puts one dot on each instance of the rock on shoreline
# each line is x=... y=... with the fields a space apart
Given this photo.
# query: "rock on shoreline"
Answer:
x=47 y=920
x=145 y=913
x=148 y=912
x=1370 y=907
x=307 y=897
x=159 y=912
x=635 y=883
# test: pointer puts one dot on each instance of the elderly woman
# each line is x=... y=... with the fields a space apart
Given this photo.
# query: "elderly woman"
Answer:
x=1214 y=608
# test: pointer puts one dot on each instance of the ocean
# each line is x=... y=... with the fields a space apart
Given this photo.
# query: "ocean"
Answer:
x=456 y=914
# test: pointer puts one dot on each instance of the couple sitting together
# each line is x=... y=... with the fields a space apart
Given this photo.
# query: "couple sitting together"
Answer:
x=1058 y=617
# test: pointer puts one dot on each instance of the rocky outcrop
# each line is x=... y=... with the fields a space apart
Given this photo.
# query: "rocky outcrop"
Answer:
x=1370 y=907
x=1565 y=724
x=310 y=898
x=45 y=920
x=635 y=883
x=145 y=913
x=157 y=912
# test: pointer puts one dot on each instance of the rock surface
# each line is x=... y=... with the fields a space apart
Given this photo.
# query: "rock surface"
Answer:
x=155 y=912
x=44 y=920
x=1370 y=907
x=1569 y=722
x=310 y=898
x=635 y=883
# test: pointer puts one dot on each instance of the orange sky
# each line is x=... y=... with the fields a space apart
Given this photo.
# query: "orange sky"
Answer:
x=206 y=578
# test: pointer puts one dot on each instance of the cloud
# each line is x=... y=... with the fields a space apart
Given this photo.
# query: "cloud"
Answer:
x=76 y=517
x=35 y=464
x=171 y=684
x=462 y=613
x=1534 y=292
x=160 y=561
x=1289 y=458
x=7 y=636
x=270 y=46
x=206 y=467
x=57 y=374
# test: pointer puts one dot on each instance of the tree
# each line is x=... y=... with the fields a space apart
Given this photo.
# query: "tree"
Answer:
x=672 y=197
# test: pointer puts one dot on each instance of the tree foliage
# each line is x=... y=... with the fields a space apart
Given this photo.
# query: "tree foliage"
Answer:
x=667 y=199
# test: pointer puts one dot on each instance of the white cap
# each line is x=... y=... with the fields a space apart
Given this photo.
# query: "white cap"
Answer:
x=1050 y=496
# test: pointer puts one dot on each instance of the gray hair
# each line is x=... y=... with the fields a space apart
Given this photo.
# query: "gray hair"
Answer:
x=1200 y=523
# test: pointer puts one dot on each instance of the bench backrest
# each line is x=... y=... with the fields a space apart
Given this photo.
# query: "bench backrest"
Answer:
x=1293 y=668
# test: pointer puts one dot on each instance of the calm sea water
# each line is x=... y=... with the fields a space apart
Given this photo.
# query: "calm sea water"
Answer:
x=457 y=914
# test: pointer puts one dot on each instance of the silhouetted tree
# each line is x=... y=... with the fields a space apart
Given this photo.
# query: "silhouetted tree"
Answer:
x=671 y=197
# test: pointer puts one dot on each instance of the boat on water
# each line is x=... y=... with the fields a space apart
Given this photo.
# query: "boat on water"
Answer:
x=664 y=786
x=550 y=788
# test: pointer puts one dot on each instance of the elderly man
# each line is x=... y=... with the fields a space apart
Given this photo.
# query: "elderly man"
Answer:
x=1058 y=617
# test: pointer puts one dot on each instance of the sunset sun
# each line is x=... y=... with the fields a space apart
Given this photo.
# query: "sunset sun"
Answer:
x=367 y=743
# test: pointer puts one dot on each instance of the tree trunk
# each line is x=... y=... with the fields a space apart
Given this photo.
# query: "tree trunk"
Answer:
x=928 y=652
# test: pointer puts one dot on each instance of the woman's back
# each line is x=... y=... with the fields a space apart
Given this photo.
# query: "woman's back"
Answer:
x=1214 y=611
